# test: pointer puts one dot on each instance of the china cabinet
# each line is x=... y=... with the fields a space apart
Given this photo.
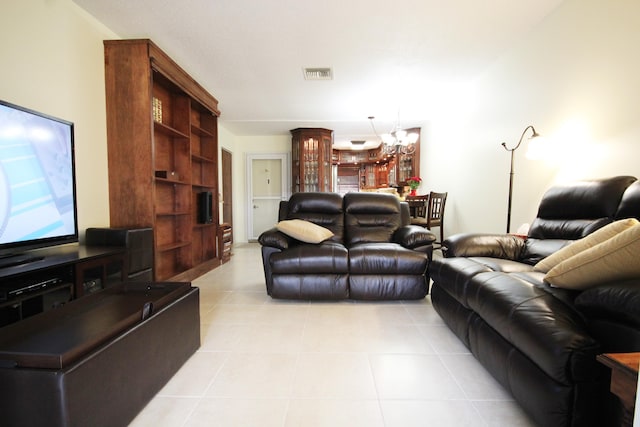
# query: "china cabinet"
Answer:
x=311 y=151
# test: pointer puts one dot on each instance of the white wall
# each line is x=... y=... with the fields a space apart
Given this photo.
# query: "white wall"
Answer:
x=52 y=62
x=578 y=71
x=244 y=145
x=575 y=78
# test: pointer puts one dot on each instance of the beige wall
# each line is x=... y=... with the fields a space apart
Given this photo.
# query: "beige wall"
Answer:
x=575 y=78
x=245 y=145
x=52 y=62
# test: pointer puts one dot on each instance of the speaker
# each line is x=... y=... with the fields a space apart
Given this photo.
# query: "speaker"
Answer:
x=138 y=243
x=205 y=207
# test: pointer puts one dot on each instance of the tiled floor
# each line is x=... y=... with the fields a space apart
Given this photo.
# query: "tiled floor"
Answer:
x=266 y=362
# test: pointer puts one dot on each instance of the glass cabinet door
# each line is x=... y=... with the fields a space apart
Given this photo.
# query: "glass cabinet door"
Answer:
x=311 y=152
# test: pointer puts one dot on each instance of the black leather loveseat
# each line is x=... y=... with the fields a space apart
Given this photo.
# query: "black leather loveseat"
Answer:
x=541 y=341
x=373 y=254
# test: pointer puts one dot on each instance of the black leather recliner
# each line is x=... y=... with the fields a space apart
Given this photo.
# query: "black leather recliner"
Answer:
x=374 y=254
x=540 y=341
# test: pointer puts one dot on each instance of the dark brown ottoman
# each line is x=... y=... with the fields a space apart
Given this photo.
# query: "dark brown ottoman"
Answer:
x=100 y=359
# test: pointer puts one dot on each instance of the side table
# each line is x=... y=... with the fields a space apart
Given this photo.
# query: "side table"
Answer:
x=624 y=380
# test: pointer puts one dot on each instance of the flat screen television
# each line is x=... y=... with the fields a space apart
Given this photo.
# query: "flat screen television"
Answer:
x=37 y=182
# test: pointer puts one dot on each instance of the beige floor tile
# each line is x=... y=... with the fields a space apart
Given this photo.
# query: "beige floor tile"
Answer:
x=266 y=362
x=346 y=338
x=423 y=312
x=165 y=412
x=255 y=375
x=334 y=413
x=502 y=414
x=437 y=413
x=406 y=376
x=474 y=379
x=335 y=376
x=222 y=336
x=238 y=413
x=244 y=297
x=283 y=314
x=272 y=338
x=381 y=338
x=442 y=339
x=236 y=314
x=350 y=313
x=193 y=379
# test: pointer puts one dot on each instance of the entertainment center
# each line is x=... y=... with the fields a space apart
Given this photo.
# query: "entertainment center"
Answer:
x=56 y=276
x=97 y=360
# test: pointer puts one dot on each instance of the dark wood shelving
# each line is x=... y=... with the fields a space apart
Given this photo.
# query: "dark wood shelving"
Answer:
x=159 y=119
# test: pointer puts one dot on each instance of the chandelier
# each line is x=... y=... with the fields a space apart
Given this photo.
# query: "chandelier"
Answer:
x=398 y=141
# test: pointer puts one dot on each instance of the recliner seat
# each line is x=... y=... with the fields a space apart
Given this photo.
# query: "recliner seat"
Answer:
x=537 y=340
x=374 y=254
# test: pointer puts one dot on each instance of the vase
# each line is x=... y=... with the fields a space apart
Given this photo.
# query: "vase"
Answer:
x=413 y=192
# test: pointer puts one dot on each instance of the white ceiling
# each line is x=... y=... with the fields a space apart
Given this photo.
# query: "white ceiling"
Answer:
x=410 y=58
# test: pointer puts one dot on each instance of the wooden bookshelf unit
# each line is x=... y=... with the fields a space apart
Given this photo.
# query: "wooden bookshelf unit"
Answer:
x=162 y=132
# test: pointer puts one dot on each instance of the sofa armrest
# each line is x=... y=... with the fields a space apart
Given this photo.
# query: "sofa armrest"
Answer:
x=413 y=236
x=615 y=301
x=275 y=239
x=504 y=246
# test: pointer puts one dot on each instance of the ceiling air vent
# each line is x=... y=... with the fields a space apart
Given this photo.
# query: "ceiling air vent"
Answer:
x=324 y=73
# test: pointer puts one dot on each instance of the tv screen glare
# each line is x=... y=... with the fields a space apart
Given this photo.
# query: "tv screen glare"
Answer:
x=37 y=180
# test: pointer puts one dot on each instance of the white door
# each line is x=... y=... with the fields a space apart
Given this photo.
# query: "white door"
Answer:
x=268 y=184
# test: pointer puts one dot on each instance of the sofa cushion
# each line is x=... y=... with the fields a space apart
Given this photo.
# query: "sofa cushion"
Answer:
x=413 y=236
x=387 y=287
x=613 y=259
x=326 y=257
x=504 y=265
x=598 y=236
x=310 y=286
x=370 y=217
x=453 y=275
x=545 y=329
x=275 y=239
x=386 y=258
x=572 y=211
x=538 y=249
x=304 y=231
x=506 y=246
x=323 y=209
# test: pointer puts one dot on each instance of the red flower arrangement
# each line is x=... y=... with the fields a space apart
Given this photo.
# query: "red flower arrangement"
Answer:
x=414 y=182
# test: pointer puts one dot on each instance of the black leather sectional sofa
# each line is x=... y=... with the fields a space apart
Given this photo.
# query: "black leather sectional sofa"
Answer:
x=541 y=341
x=374 y=253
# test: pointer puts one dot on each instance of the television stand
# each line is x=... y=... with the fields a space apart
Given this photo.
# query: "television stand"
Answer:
x=55 y=276
x=13 y=260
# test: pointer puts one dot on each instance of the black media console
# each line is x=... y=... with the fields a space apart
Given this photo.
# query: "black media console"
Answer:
x=48 y=278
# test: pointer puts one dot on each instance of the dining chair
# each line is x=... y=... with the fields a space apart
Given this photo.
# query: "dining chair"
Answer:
x=435 y=212
x=418 y=209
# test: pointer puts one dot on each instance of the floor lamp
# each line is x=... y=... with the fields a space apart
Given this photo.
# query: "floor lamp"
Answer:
x=511 y=172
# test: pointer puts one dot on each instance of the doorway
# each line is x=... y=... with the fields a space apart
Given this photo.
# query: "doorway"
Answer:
x=268 y=184
x=227 y=185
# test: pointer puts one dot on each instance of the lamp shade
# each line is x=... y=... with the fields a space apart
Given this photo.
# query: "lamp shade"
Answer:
x=538 y=147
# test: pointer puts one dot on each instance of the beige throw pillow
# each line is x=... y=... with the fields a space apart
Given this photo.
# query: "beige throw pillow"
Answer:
x=598 y=236
x=611 y=260
x=304 y=231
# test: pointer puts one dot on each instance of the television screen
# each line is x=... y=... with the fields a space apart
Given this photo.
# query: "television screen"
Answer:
x=37 y=180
